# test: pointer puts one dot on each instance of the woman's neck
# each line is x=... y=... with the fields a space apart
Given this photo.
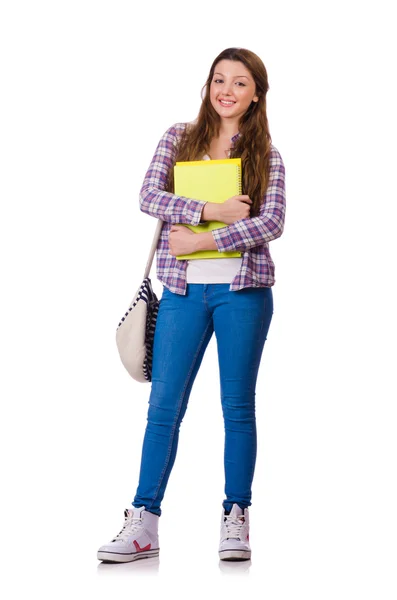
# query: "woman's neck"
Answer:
x=228 y=130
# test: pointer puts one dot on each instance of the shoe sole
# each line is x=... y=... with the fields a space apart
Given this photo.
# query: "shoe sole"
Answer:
x=235 y=555
x=116 y=557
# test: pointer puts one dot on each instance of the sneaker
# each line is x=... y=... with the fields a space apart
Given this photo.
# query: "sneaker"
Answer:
x=137 y=539
x=234 y=544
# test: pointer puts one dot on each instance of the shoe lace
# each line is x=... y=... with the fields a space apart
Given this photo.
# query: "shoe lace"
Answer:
x=233 y=526
x=131 y=525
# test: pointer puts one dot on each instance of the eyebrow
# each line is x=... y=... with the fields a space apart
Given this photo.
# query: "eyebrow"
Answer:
x=239 y=76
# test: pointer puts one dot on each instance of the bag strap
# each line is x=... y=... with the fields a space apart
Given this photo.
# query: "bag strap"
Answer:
x=153 y=248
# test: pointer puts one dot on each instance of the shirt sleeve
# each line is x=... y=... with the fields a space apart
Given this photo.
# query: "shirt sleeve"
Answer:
x=248 y=233
x=154 y=199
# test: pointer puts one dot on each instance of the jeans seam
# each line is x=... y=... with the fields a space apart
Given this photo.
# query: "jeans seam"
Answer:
x=178 y=412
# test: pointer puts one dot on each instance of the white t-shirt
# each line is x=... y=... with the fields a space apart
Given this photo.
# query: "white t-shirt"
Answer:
x=212 y=270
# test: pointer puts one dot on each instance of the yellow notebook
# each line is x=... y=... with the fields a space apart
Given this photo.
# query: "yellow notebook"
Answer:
x=213 y=181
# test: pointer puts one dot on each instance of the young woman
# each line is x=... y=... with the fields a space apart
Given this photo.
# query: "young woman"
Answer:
x=229 y=296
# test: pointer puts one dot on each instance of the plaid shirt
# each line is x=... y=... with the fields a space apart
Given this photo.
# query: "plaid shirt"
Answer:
x=250 y=236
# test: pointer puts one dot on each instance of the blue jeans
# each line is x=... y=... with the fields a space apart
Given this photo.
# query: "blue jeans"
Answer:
x=184 y=327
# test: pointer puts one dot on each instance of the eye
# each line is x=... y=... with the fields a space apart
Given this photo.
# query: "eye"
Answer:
x=218 y=80
x=240 y=83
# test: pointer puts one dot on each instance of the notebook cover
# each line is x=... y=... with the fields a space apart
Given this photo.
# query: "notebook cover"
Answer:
x=213 y=181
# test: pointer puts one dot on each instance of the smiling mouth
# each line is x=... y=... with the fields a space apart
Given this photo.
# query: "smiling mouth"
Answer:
x=226 y=103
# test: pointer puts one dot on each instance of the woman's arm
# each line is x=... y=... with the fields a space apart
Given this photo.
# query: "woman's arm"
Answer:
x=244 y=233
x=248 y=233
x=153 y=198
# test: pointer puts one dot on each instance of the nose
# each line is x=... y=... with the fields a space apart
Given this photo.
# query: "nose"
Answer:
x=227 y=91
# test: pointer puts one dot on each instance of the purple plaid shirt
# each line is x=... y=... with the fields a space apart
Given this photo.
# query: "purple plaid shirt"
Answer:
x=250 y=236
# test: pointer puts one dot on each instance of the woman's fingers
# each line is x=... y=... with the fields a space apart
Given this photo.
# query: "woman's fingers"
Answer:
x=243 y=198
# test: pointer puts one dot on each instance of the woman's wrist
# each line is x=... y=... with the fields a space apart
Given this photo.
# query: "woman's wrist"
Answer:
x=211 y=212
x=204 y=241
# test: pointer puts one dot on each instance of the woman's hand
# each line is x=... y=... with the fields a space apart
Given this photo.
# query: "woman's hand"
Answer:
x=234 y=209
x=181 y=240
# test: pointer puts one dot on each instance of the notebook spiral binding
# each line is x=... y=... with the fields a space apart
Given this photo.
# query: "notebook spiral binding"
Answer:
x=239 y=180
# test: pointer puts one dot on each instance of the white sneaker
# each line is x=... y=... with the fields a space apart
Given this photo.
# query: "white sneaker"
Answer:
x=137 y=539
x=234 y=544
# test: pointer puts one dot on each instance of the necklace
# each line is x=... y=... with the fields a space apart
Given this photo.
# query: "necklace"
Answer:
x=227 y=154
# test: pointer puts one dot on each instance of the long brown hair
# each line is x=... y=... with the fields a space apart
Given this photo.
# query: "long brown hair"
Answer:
x=254 y=142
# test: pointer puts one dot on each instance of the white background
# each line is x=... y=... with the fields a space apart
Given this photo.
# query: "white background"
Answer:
x=88 y=88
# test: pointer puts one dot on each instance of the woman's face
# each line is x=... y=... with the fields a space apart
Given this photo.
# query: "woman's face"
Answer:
x=232 y=89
